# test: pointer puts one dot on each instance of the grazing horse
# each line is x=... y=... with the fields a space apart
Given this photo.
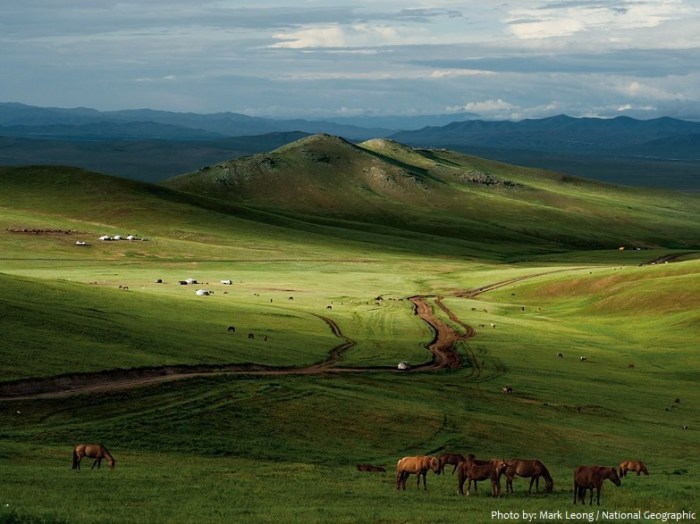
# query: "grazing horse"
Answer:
x=589 y=477
x=528 y=468
x=371 y=468
x=418 y=465
x=94 y=451
x=473 y=470
x=462 y=469
x=231 y=329
x=633 y=465
x=449 y=458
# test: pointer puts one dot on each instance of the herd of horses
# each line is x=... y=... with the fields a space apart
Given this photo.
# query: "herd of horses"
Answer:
x=470 y=469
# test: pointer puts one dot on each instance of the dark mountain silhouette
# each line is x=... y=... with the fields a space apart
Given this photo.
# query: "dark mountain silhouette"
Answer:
x=151 y=145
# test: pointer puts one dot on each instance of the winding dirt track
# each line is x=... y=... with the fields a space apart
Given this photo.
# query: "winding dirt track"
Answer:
x=442 y=347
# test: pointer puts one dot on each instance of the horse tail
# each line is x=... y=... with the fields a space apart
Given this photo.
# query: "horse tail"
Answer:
x=75 y=458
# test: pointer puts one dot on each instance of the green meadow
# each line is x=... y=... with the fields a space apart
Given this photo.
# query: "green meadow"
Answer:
x=283 y=447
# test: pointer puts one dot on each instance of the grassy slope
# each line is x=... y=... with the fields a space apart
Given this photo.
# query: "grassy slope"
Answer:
x=224 y=448
x=447 y=194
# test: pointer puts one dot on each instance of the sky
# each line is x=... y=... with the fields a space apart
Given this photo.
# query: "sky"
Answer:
x=335 y=58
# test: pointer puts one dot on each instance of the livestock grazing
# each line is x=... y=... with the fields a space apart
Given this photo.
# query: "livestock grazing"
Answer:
x=418 y=465
x=589 y=477
x=226 y=282
x=482 y=325
x=493 y=325
x=449 y=458
x=290 y=298
x=371 y=468
x=231 y=329
x=630 y=365
x=93 y=451
x=329 y=307
x=633 y=465
x=677 y=401
x=251 y=336
x=471 y=471
x=533 y=468
x=560 y=355
x=124 y=287
x=506 y=390
x=182 y=282
x=461 y=469
x=159 y=281
x=685 y=427
x=265 y=338
x=582 y=359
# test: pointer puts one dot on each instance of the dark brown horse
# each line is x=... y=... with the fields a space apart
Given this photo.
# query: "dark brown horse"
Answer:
x=418 y=465
x=449 y=458
x=532 y=468
x=633 y=465
x=589 y=477
x=472 y=471
x=371 y=468
x=462 y=469
x=93 y=451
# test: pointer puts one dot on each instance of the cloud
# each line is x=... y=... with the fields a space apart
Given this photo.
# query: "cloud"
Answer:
x=486 y=108
x=337 y=36
x=638 y=90
x=507 y=59
x=562 y=19
x=455 y=73
x=638 y=62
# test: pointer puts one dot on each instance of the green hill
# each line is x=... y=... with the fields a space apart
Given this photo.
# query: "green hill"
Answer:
x=381 y=183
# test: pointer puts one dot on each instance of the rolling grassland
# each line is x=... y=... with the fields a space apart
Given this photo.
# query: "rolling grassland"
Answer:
x=210 y=425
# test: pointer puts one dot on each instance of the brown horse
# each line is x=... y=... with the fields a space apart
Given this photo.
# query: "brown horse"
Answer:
x=633 y=465
x=449 y=458
x=589 y=477
x=462 y=469
x=471 y=470
x=418 y=465
x=528 y=468
x=93 y=451
x=370 y=468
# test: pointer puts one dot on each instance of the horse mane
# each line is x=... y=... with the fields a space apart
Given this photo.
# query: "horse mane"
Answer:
x=545 y=473
x=107 y=453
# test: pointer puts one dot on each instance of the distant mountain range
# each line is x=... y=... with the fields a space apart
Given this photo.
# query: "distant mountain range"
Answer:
x=665 y=137
x=152 y=145
x=147 y=124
